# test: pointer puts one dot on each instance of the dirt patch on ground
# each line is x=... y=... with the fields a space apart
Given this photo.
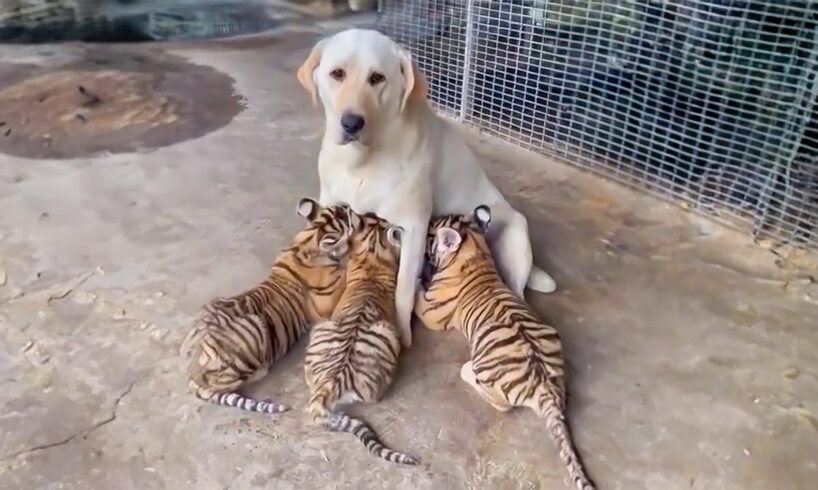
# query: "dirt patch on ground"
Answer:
x=114 y=102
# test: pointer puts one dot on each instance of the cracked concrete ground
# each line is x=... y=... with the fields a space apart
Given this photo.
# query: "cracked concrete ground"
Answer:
x=693 y=356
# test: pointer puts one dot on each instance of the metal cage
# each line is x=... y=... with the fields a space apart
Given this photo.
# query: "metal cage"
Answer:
x=710 y=103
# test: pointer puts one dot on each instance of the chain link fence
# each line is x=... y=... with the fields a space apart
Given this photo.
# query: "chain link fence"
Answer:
x=710 y=103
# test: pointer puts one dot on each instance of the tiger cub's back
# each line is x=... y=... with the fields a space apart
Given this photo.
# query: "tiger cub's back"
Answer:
x=353 y=356
x=516 y=358
x=234 y=340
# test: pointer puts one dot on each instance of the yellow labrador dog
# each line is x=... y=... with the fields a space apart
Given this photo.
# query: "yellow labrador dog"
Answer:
x=385 y=151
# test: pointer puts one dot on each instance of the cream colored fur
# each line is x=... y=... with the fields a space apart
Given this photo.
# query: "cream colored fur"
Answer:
x=406 y=164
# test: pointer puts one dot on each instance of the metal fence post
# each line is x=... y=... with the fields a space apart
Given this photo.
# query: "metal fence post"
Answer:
x=465 y=86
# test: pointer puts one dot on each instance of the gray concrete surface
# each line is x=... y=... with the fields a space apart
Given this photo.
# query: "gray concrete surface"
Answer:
x=693 y=355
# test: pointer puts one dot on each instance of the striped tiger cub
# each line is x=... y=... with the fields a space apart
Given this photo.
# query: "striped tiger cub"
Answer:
x=235 y=340
x=352 y=357
x=516 y=359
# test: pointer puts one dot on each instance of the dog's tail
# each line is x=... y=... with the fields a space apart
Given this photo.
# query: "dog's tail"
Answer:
x=540 y=281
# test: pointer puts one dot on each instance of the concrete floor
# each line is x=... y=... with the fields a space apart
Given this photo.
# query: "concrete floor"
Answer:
x=693 y=356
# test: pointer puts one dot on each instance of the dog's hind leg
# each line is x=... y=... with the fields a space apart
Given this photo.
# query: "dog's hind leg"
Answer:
x=541 y=281
x=512 y=251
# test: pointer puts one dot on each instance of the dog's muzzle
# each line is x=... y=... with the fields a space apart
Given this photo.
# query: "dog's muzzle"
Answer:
x=347 y=138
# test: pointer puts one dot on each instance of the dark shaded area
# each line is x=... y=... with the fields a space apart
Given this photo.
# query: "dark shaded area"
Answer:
x=155 y=21
x=113 y=99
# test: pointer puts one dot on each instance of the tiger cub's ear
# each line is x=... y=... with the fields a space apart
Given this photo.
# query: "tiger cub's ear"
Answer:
x=447 y=240
x=308 y=208
x=334 y=246
x=482 y=216
x=353 y=220
x=394 y=234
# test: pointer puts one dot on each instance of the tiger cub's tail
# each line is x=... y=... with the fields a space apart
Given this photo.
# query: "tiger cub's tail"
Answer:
x=340 y=422
x=235 y=400
x=558 y=428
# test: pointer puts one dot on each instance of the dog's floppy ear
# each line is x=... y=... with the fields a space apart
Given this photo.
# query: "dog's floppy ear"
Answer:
x=308 y=67
x=415 y=84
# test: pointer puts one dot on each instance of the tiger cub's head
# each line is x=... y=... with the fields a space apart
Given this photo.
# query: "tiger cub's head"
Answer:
x=455 y=237
x=319 y=253
x=374 y=239
x=325 y=238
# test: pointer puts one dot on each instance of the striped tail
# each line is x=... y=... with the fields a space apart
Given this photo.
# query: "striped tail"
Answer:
x=235 y=400
x=339 y=422
x=557 y=426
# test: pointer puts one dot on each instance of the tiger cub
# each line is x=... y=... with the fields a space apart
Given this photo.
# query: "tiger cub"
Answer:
x=352 y=357
x=235 y=340
x=516 y=359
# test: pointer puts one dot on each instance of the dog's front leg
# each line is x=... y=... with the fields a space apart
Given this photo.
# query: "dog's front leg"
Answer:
x=413 y=247
x=325 y=196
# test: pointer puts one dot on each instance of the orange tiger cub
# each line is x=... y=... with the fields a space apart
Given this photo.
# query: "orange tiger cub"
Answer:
x=235 y=340
x=352 y=357
x=516 y=359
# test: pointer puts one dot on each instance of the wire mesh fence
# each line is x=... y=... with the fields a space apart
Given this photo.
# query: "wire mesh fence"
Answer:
x=709 y=102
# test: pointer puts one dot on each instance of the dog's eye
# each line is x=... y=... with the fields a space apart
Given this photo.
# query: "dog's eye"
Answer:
x=338 y=74
x=376 y=78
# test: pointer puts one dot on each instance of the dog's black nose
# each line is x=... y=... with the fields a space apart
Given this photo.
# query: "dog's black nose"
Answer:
x=352 y=123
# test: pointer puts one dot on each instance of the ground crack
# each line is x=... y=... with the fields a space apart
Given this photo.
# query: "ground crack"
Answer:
x=83 y=433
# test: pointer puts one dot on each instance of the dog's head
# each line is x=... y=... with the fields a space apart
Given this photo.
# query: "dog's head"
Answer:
x=363 y=79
